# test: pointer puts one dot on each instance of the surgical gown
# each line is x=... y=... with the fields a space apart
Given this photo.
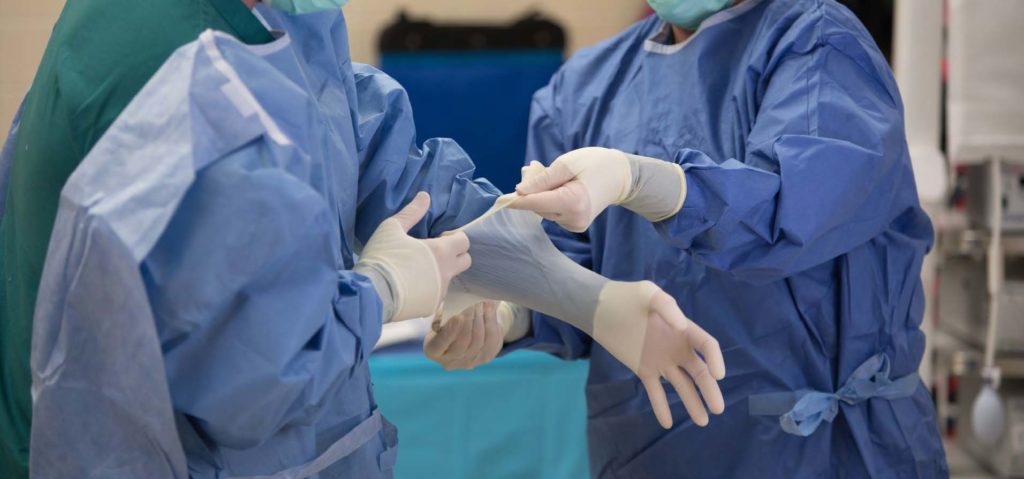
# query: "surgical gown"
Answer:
x=199 y=316
x=799 y=244
x=99 y=56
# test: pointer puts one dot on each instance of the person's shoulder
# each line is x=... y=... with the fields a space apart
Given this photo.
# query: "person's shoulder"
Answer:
x=607 y=57
x=809 y=27
x=814 y=22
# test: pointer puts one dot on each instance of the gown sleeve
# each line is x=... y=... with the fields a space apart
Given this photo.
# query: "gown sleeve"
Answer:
x=258 y=326
x=825 y=164
x=393 y=168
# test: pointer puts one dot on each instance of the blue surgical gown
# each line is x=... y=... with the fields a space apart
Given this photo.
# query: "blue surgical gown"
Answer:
x=799 y=244
x=198 y=314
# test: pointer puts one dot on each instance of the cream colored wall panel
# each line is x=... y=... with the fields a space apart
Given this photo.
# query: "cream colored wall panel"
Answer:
x=586 y=22
x=20 y=52
x=26 y=24
x=25 y=27
x=28 y=8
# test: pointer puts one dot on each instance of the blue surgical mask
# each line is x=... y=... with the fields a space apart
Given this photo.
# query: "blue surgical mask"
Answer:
x=687 y=14
x=306 y=6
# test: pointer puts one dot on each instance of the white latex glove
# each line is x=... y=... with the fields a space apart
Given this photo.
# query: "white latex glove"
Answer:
x=642 y=326
x=412 y=275
x=474 y=337
x=582 y=183
x=636 y=322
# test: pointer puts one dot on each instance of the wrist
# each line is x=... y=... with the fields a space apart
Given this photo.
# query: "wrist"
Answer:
x=408 y=268
x=382 y=282
x=657 y=189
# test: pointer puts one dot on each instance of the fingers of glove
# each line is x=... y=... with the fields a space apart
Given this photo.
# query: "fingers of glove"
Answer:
x=557 y=201
x=463 y=339
x=659 y=403
x=430 y=345
x=451 y=253
x=414 y=211
x=471 y=356
x=552 y=177
x=494 y=334
x=449 y=245
x=569 y=206
x=479 y=332
x=707 y=384
x=684 y=387
x=709 y=349
x=437 y=343
x=530 y=171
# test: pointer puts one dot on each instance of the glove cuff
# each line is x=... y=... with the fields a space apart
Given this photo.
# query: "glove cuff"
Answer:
x=408 y=268
x=382 y=282
x=658 y=188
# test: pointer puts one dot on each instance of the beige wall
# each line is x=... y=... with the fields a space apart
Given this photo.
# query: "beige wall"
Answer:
x=25 y=27
x=586 y=21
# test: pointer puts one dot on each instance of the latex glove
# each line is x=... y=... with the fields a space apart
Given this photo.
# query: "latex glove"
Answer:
x=579 y=185
x=474 y=337
x=636 y=322
x=412 y=275
x=642 y=327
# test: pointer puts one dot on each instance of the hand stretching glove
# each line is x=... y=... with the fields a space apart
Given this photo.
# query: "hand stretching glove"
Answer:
x=579 y=185
x=637 y=322
x=412 y=275
x=475 y=336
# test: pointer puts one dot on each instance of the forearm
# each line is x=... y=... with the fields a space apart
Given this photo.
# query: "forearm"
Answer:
x=827 y=197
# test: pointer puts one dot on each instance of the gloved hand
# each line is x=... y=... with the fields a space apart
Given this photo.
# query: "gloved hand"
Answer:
x=638 y=323
x=474 y=336
x=412 y=275
x=642 y=326
x=580 y=184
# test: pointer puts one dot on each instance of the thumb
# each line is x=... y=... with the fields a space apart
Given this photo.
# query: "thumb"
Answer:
x=414 y=211
x=554 y=176
x=530 y=171
x=666 y=307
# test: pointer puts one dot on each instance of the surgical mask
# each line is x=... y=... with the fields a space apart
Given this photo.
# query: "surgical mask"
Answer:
x=687 y=14
x=306 y=6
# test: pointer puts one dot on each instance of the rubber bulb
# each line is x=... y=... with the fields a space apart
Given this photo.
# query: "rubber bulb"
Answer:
x=988 y=416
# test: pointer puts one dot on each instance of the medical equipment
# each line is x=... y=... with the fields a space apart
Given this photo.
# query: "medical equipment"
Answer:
x=1003 y=448
x=963 y=302
x=980 y=268
x=1011 y=204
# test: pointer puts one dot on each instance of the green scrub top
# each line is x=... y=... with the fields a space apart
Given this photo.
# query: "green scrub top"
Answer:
x=100 y=54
